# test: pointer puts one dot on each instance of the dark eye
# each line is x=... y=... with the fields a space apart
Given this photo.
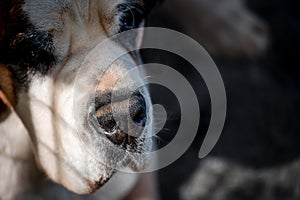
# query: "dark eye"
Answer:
x=131 y=17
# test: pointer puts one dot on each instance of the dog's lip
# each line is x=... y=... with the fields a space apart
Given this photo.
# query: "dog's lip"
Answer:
x=97 y=183
x=101 y=182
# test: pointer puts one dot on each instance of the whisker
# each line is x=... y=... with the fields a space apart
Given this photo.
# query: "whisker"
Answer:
x=146 y=77
x=160 y=139
x=167 y=129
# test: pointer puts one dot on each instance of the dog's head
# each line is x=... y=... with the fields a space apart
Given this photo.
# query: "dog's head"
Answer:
x=76 y=139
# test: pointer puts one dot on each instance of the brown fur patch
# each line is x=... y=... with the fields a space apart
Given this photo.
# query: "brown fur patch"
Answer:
x=110 y=78
x=7 y=92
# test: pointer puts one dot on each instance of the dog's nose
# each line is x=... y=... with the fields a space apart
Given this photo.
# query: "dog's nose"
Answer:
x=118 y=130
x=137 y=109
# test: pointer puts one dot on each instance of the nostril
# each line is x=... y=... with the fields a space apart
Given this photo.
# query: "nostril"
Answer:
x=106 y=122
x=137 y=109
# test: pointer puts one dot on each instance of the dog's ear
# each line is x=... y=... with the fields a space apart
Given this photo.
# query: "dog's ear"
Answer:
x=7 y=92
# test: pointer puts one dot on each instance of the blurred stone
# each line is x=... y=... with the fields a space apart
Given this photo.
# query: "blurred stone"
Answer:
x=218 y=179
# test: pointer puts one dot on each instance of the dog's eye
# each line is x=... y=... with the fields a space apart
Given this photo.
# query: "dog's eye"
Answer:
x=131 y=17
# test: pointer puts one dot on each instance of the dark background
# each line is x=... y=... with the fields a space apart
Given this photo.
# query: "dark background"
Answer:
x=261 y=134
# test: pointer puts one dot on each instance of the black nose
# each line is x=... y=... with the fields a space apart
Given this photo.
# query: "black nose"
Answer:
x=105 y=117
x=137 y=109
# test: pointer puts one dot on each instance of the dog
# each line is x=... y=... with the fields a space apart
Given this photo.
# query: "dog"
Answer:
x=48 y=132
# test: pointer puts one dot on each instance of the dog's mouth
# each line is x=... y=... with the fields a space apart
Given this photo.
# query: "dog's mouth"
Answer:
x=101 y=182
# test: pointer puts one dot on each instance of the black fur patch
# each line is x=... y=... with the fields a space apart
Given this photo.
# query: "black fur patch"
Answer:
x=25 y=49
x=22 y=47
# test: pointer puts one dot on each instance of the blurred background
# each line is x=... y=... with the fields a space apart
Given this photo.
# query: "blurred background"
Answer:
x=256 y=47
